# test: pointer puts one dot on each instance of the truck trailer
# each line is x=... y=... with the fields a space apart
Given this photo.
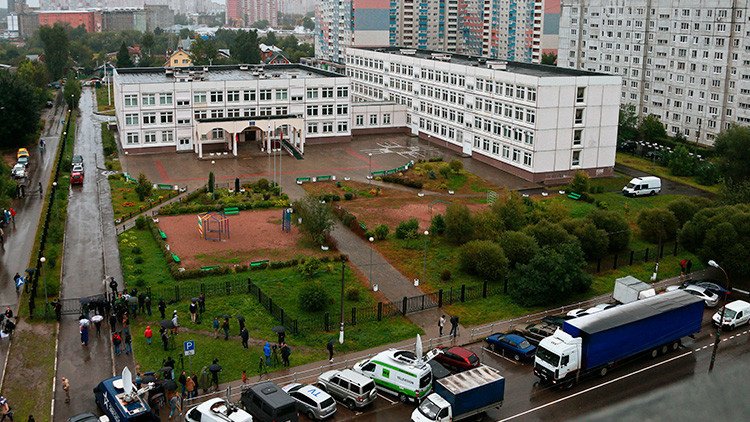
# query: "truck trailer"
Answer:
x=594 y=343
x=462 y=395
x=629 y=289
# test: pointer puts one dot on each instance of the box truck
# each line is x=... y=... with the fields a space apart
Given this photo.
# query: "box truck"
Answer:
x=594 y=343
x=629 y=289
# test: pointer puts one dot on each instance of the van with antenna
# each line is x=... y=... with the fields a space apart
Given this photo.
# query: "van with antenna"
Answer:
x=402 y=373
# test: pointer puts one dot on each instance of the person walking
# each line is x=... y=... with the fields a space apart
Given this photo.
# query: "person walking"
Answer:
x=174 y=406
x=113 y=286
x=245 y=336
x=147 y=304
x=285 y=353
x=98 y=324
x=113 y=322
x=215 y=368
x=162 y=308
x=116 y=341
x=66 y=389
x=175 y=322
x=83 y=328
x=267 y=353
x=190 y=387
x=441 y=324
x=182 y=379
x=281 y=337
x=128 y=340
x=454 y=326
x=16 y=283
x=5 y=409
x=225 y=327
x=193 y=311
x=329 y=346
x=216 y=327
x=148 y=334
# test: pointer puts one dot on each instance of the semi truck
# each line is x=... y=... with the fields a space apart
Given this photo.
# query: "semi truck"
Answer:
x=594 y=343
x=462 y=396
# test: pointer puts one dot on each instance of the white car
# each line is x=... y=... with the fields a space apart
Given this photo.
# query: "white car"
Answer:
x=711 y=299
x=600 y=307
x=315 y=403
x=19 y=171
x=77 y=168
x=575 y=313
x=217 y=410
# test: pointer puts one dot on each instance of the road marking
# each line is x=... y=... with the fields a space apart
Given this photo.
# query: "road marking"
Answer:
x=387 y=399
x=595 y=387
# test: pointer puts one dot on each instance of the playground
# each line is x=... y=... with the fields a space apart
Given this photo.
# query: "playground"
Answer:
x=249 y=236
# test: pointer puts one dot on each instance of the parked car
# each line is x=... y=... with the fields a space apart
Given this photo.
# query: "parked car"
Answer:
x=709 y=285
x=76 y=178
x=267 y=402
x=22 y=152
x=77 y=168
x=77 y=159
x=512 y=345
x=600 y=307
x=556 y=320
x=217 y=410
x=19 y=171
x=24 y=160
x=736 y=313
x=457 y=358
x=438 y=370
x=311 y=401
x=710 y=299
x=534 y=333
x=575 y=313
x=353 y=389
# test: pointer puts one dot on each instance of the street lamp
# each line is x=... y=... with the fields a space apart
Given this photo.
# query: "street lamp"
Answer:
x=343 y=270
x=369 y=175
x=721 y=317
x=373 y=287
x=43 y=260
x=424 y=267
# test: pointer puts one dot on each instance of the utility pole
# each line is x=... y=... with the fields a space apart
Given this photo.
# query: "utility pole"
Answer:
x=343 y=270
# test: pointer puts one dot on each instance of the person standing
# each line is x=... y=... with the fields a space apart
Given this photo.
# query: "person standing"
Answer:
x=66 y=389
x=147 y=303
x=225 y=327
x=98 y=324
x=441 y=324
x=5 y=409
x=113 y=286
x=216 y=327
x=162 y=308
x=2 y=238
x=164 y=339
x=40 y=190
x=175 y=322
x=215 y=368
x=83 y=327
x=113 y=322
x=193 y=311
x=285 y=353
x=190 y=387
x=244 y=377
x=454 y=326
x=329 y=346
x=202 y=303
x=116 y=341
x=148 y=334
x=13 y=215
x=182 y=379
x=683 y=268
x=281 y=337
x=267 y=353
x=689 y=266
x=245 y=336
x=128 y=343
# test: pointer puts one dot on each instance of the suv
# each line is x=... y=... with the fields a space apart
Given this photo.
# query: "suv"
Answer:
x=266 y=402
x=311 y=401
x=217 y=410
x=353 y=389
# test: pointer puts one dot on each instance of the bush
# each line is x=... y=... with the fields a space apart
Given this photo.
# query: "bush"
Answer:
x=459 y=227
x=211 y=182
x=456 y=166
x=136 y=250
x=657 y=224
x=402 y=181
x=548 y=234
x=681 y=163
x=408 y=229
x=615 y=225
x=519 y=247
x=140 y=222
x=707 y=174
x=381 y=232
x=143 y=188
x=437 y=225
x=138 y=260
x=580 y=183
x=445 y=275
x=312 y=297
x=684 y=209
x=309 y=267
x=353 y=294
x=594 y=241
x=484 y=258
x=348 y=196
x=445 y=171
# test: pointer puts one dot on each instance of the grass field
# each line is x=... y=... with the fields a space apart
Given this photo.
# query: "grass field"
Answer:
x=655 y=169
x=126 y=202
x=102 y=103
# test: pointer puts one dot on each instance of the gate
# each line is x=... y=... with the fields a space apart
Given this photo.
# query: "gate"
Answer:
x=75 y=306
x=419 y=303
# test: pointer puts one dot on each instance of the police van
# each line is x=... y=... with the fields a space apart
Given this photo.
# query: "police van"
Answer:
x=120 y=401
x=398 y=372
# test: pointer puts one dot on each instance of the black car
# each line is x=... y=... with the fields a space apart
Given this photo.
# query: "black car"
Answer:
x=534 y=333
x=84 y=417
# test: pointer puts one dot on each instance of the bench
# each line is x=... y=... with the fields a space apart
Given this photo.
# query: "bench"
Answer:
x=164 y=186
x=363 y=226
x=231 y=211
x=301 y=180
x=163 y=235
x=573 y=195
x=210 y=268
x=323 y=178
x=256 y=264
x=175 y=258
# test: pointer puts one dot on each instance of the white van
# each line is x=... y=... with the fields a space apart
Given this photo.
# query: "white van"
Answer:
x=736 y=314
x=640 y=186
x=400 y=373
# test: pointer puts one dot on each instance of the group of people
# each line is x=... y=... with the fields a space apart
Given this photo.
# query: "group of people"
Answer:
x=7 y=322
x=8 y=216
x=454 y=326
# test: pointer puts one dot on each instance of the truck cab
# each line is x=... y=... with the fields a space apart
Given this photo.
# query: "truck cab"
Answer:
x=558 y=357
x=433 y=409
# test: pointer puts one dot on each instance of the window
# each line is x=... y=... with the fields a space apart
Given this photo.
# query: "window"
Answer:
x=282 y=94
x=148 y=99
x=131 y=100
x=280 y=111
x=132 y=138
x=312 y=93
x=233 y=96
x=312 y=110
x=326 y=109
x=579 y=116
x=577 y=136
x=131 y=119
x=265 y=95
x=183 y=121
x=373 y=119
x=312 y=128
x=233 y=112
x=199 y=97
x=167 y=117
x=576 y=158
x=342 y=109
x=149 y=118
x=217 y=113
x=580 y=94
x=200 y=114
x=149 y=137
x=249 y=95
x=217 y=96
x=527 y=159
x=359 y=120
x=183 y=102
x=386 y=119
x=506 y=151
x=327 y=127
x=249 y=112
x=342 y=127
x=342 y=91
x=516 y=155
x=266 y=111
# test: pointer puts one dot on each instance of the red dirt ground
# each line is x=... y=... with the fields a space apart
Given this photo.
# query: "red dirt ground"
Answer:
x=391 y=212
x=254 y=235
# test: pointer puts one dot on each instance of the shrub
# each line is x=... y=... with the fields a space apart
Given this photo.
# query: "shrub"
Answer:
x=684 y=209
x=445 y=275
x=681 y=163
x=580 y=183
x=138 y=260
x=456 y=166
x=408 y=229
x=381 y=232
x=137 y=249
x=353 y=294
x=707 y=174
x=615 y=225
x=140 y=222
x=402 y=181
x=437 y=225
x=548 y=234
x=348 y=196
x=519 y=247
x=657 y=224
x=445 y=171
x=211 y=182
x=594 y=241
x=485 y=259
x=309 y=267
x=348 y=219
x=143 y=188
x=312 y=297
x=459 y=227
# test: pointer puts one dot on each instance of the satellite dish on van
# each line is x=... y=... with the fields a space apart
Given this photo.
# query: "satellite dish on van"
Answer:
x=418 y=349
x=127 y=381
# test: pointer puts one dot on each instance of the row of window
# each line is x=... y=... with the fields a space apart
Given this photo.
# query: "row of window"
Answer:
x=235 y=96
x=400 y=84
x=237 y=112
x=444 y=112
x=507 y=90
x=359 y=119
x=453 y=79
x=327 y=127
x=439 y=129
x=503 y=151
x=505 y=131
x=367 y=90
x=165 y=117
x=365 y=76
x=131 y=100
x=327 y=110
x=519 y=114
x=133 y=138
x=446 y=95
x=365 y=62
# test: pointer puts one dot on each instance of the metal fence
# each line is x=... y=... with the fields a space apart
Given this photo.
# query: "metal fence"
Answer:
x=79 y=305
x=213 y=288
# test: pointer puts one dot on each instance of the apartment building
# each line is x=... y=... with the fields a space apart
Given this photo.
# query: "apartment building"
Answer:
x=223 y=109
x=344 y=23
x=685 y=61
x=541 y=123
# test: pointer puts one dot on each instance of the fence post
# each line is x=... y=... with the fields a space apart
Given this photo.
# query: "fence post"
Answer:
x=354 y=316
x=645 y=256
x=403 y=306
x=463 y=292
x=674 y=252
x=632 y=255
x=614 y=264
x=380 y=311
x=423 y=302
x=484 y=289
x=440 y=298
x=326 y=321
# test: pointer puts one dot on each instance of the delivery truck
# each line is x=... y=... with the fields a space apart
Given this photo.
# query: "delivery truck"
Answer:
x=462 y=396
x=629 y=289
x=592 y=344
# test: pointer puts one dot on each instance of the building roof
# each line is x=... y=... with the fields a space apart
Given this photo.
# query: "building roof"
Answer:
x=144 y=75
x=185 y=44
x=538 y=70
x=277 y=58
x=266 y=48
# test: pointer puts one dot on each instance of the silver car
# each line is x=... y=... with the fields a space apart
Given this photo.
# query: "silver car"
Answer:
x=312 y=401
x=353 y=389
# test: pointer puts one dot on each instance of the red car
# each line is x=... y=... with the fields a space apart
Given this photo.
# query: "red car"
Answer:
x=457 y=358
x=76 y=178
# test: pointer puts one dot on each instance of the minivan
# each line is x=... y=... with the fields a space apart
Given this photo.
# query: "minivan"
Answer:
x=735 y=314
x=641 y=186
x=398 y=372
x=267 y=402
x=352 y=389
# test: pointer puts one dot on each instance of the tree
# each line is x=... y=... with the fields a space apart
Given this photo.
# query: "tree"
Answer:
x=408 y=229
x=684 y=209
x=203 y=52
x=594 y=241
x=143 y=187
x=548 y=234
x=261 y=24
x=707 y=173
x=19 y=120
x=549 y=59
x=550 y=277
x=581 y=182
x=651 y=128
x=317 y=218
x=55 y=41
x=681 y=163
x=657 y=224
x=211 y=182
x=185 y=33
x=484 y=259
x=458 y=224
x=487 y=225
x=513 y=212
x=72 y=91
x=123 y=57
x=245 y=47
x=627 y=126
x=35 y=73
x=732 y=151
x=147 y=42
x=437 y=225
x=615 y=225
x=519 y=247
x=308 y=23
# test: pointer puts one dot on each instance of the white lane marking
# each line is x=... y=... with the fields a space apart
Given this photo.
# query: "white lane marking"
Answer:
x=698 y=349
x=595 y=387
x=386 y=399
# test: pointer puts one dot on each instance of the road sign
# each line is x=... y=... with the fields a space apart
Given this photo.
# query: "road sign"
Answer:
x=189 y=348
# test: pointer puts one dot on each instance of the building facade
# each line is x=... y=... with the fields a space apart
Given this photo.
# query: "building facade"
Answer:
x=259 y=10
x=222 y=109
x=685 y=61
x=538 y=122
x=340 y=24
x=91 y=20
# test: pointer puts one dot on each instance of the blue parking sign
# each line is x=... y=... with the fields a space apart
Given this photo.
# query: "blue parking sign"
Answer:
x=189 y=347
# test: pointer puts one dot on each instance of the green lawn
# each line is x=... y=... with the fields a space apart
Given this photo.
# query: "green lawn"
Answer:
x=126 y=202
x=102 y=104
x=152 y=271
x=655 y=169
x=629 y=207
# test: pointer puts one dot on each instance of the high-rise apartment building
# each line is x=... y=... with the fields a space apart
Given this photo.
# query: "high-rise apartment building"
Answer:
x=346 y=23
x=259 y=10
x=685 y=61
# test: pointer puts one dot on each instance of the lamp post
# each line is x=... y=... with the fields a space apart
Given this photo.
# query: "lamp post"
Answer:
x=721 y=317
x=424 y=266
x=429 y=149
x=369 y=175
x=371 y=239
x=343 y=270
x=43 y=260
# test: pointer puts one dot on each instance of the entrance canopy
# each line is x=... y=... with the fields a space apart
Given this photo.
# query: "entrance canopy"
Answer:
x=286 y=131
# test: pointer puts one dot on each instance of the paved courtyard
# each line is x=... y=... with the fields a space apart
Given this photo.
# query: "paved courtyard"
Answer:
x=350 y=159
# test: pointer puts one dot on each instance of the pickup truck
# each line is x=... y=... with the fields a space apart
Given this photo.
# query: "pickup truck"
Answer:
x=461 y=396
